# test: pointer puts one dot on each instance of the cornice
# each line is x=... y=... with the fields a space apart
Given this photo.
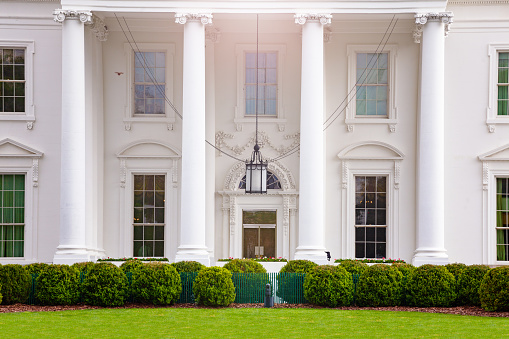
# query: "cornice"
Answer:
x=478 y=2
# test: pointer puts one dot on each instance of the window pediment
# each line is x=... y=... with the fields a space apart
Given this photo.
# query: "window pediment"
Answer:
x=371 y=150
x=498 y=154
x=11 y=148
x=149 y=149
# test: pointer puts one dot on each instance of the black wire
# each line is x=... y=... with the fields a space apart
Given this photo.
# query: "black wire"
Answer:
x=217 y=148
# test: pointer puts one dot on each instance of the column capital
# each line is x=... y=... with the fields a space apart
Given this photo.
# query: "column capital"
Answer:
x=60 y=15
x=323 y=18
x=422 y=18
x=182 y=18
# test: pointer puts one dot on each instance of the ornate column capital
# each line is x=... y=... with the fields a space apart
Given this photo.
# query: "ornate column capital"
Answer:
x=60 y=15
x=421 y=19
x=323 y=18
x=99 y=28
x=182 y=18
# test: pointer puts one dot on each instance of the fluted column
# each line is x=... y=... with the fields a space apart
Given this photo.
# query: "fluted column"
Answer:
x=311 y=182
x=192 y=226
x=72 y=244
x=431 y=142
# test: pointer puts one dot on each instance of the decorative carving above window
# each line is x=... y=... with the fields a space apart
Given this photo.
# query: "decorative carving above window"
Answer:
x=263 y=140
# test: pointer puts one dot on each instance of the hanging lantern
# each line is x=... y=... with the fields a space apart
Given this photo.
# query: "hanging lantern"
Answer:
x=256 y=173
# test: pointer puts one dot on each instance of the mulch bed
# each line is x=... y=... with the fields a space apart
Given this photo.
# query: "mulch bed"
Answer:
x=459 y=310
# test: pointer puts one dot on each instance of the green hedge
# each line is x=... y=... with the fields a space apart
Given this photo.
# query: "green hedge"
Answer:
x=214 y=287
x=58 y=285
x=15 y=282
x=245 y=266
x=35 y=268
x=84 y=266
x=298 y=266
x=380 y=285
x=130 y=265
x=469 y=282
x=431 y=286
x=105 y=285
x=156 y=283
x=330 y=286
x=353 y=266
x=494 y=289
x=188 y=266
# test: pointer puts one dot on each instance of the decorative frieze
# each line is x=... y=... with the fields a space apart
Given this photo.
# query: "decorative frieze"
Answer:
x=263 y=140
x=344 y=177
x=123 y=173
x=397 y=174
x=35 y=172
x=485 y=175
x=182 y=18
x=421 y=19
x=323 y=18
x=237 y=172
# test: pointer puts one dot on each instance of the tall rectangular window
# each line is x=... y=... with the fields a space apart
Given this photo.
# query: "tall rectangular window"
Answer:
x=371 y=84
x=370 y=216
x=12 y=80
x=503 y=84
x=149 y=207
x=149 y=82
x=267 y=84
x=502 y=219
x=12 y=215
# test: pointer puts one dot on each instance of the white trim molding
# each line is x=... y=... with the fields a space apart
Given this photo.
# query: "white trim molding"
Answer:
x=371 y=158
x=492 y=119
x=17 y=158
x=391 y=119
x=495 y=164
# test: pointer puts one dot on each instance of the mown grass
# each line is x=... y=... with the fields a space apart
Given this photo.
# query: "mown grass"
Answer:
x=246 y=323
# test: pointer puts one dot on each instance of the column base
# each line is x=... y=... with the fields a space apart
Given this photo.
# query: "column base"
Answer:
x=69 y=255
x=200 y=255
x=430 y=256
x=316 y=255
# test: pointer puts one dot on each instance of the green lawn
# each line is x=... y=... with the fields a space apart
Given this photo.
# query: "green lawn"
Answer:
x=245 y=323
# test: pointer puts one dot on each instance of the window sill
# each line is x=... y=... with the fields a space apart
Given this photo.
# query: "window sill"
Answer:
x=499 y=120
x=391 y=123
x=19 y=117
x=169 y=121
x=239 y=122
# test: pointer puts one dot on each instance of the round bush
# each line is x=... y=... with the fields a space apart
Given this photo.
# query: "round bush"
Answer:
x=130 y=265
x=379 y=285
x=214 y=287
x=298 y=266
x=329 y=285
x=494 y=289
x=404 y=268
x=15 y=282
x=84 y=266
x=156 y=283
x=188 y=266
x=36 y=268
x=353 y=266
x=105 y=285
x=468 y=284
x=431 y=286
x=456 y=269
x=58 y=285
x=245 y=266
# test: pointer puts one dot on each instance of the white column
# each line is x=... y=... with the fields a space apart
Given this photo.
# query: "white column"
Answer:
x=431 y=142
x=311 y=182
x=72 y=245
x=193 y=207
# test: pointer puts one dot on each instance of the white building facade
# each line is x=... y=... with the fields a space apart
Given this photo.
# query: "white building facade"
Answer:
x=124 y=127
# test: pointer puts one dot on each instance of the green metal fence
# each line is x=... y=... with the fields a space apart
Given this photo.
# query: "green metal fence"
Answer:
x=287 y=288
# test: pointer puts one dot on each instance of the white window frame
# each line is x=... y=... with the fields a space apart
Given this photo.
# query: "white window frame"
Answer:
x=129 y=116
x=240 y=110
x=26 y=162
x=368 y=165
x=492 y=118
x=351 y=118
x=29 y=114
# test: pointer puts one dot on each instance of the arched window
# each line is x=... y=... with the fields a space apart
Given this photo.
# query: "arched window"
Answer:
x=272 y=182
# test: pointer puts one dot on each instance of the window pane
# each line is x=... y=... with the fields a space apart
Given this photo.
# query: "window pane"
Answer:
x=381 y=107
x=359 y=250
x=271 y=76
x=138 y=232
x=271 y=60
x=148 y=232
x=380 y=250
x=381 y=184
x=19 y=215
x=8 y=104
x=19 y=233
x=371 y=217
x=370 y=250
x=138 y=249
x=359 y=200
x=361 y=107
x=361 y=92
x=250 y=60
x=360 y=233
x=138 y=215
x=370 y=200
x=502 y=107
x=159 y=215
x=371 y=92
x=360 y=183
x=19 y=104
x=159 y=249
x=148 y=248
x=148 y=215
x=371 y=107
x=360 y=217
x=361 y=60
x=503 y=92
x=380 y=200
x=159 y=233
x=502 y=75
x=380 y=217
x=19 y=72
x=160 y=92
x=138 y=199
x=149 y=182
x=160 y=59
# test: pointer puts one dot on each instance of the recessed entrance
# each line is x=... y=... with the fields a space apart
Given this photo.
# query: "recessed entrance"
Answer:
x=259 y=233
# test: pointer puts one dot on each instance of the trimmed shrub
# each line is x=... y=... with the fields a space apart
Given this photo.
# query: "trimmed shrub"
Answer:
x=494 y=289
x=156 y=283
x=84 y=266
x=404 y=268
x=58 y=285
x=130 y=265
x=0 y=294
x=379 y=285
x=15 y=282
x=36 y=268
x=329 y=285
x=431 y=286
x=214 y=287
x=298 y=266
x=188 y=266
x=245 y=266
x=105 y=285
x=456 y=269
x=353 y=266
x=468 y=284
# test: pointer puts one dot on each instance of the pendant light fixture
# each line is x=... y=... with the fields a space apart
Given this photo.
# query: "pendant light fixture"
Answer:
x=256 y=168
